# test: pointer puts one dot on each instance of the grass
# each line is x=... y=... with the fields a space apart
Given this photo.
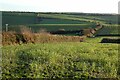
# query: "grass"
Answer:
x=58 y=59
x=52 y=27
x=48 y=20
x=56 y=21
x=27 y=36
x=106 y=30
x=89 y=59
x=106 y=18
x=68 y=17
x=55 y=27
x=59 y=24
x=18 y=18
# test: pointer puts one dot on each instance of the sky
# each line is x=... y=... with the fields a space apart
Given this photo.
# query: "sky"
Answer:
x=85 y=6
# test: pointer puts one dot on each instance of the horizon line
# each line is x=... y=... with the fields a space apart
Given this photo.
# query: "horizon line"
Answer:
x=55 y=12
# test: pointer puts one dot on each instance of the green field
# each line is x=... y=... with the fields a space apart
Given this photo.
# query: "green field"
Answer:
x=17 y=18
x=48 y=20
x=107 y=30
x=89 y=59
x=52 y=27
x=55 y=27
x=113 y=19
x=57 y=21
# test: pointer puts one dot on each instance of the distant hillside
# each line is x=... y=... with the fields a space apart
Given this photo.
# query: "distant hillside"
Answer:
x=14 y=18
x=57 y=21
x=18 y=18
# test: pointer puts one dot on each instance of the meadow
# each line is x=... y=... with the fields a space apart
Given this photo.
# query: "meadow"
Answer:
x=89 y=59
x=52 y=27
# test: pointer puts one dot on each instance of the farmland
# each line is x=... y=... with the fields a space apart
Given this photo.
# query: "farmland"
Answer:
x=89 y=59
x=30 y=50
x=57 y=21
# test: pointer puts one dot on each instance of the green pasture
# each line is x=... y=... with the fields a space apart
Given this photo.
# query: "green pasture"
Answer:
x=57 y=21
x=89 y=59
x=106 y=30
x=52 y=27
x=18 y=18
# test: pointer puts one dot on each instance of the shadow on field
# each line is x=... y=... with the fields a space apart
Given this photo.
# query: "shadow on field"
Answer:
x=23 y=63
x=110 y=40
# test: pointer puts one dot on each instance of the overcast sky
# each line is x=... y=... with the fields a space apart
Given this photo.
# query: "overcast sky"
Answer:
x=86 y=6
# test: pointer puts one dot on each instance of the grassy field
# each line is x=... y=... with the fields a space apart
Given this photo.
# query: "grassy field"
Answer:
x=52 y=27
x=43 y=55
x=56 y=21
x=17 y=18
x=48 y=20
x=113 y=19
x=89 y=59
x=55 y=27
x=107 y=30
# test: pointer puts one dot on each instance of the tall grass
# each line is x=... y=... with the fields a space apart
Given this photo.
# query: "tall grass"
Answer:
x=27 y=36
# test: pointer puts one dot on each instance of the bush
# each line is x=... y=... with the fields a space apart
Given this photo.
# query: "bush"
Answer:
x=27 y=36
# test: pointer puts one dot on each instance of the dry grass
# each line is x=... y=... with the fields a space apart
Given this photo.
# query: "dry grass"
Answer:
x=0 y=38
x=27 y=36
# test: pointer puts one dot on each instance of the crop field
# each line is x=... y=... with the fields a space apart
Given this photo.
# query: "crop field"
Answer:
x=113 y=19
x=13 y=18
x=53 y=27
x=89 y=59
x=57 y=21
x=30 y=50
x=107 y=30
x=48 y=20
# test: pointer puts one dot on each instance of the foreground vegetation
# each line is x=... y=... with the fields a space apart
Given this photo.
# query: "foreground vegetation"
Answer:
x=89 y=59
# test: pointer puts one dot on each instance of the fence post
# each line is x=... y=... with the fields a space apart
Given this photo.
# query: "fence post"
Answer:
x=6 y=28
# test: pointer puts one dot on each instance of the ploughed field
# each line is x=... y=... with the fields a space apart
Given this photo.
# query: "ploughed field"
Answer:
x=89 y=59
